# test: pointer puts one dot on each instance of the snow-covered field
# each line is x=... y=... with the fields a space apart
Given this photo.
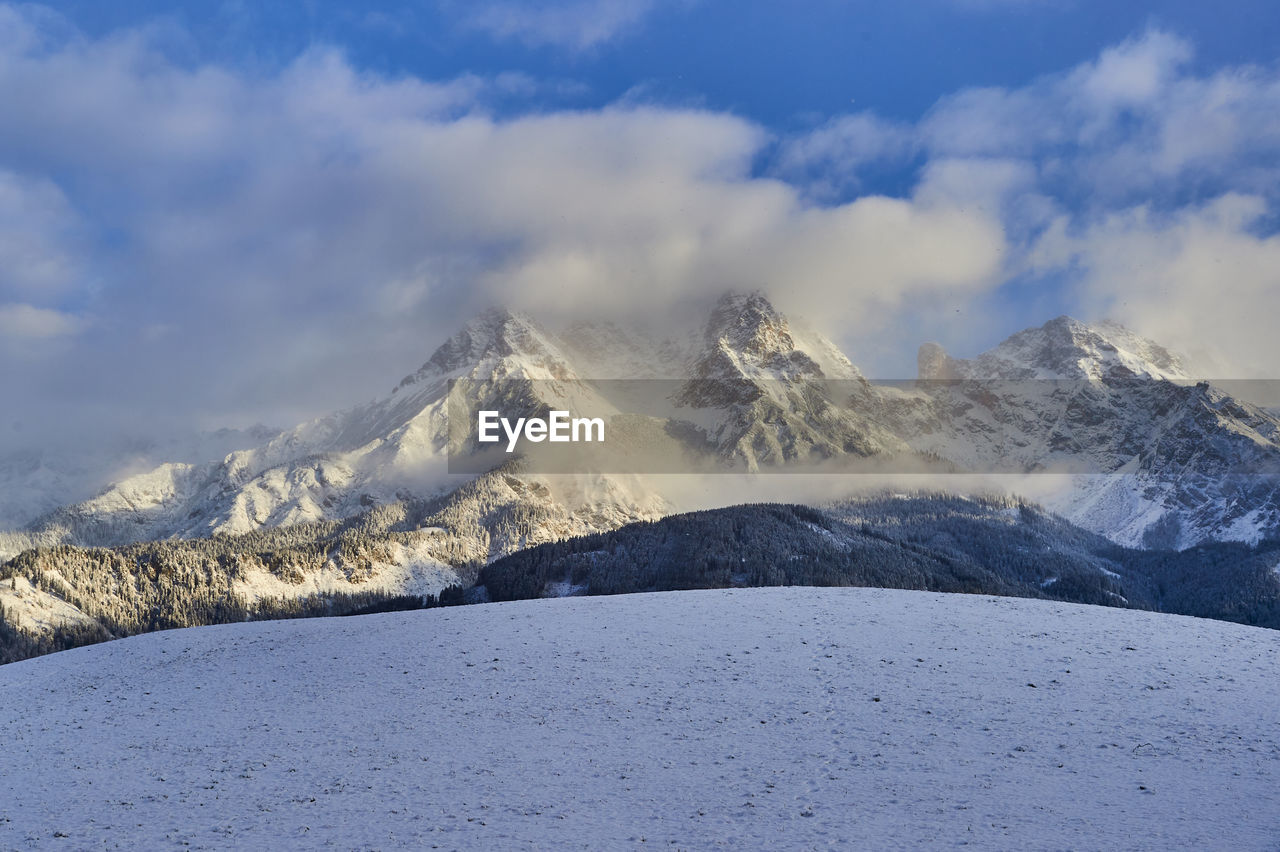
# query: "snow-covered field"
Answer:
x=766 y=718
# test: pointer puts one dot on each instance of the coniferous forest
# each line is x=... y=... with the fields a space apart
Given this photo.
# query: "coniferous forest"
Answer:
x=941 y=543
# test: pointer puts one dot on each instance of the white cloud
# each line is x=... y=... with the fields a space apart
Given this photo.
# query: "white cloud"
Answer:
x=830 y=158
x=1134 y=123
x=1199 y=279
x=272 y=225
x=625 y=208
x=571 y=24
x=20 y=323
x=1146 y=188
x=248 y=232
x=38 y=236
x=1133 y=74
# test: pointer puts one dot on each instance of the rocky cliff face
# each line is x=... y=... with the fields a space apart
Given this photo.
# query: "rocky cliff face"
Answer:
x=1170 y=461
x=766 y=394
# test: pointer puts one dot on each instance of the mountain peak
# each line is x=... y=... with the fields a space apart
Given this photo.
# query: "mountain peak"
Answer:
x=1066 y=348
x=493 y=335
x=934 y=364
x=750 y=324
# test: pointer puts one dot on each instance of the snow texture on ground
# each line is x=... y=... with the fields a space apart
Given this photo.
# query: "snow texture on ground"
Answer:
x=765 y=718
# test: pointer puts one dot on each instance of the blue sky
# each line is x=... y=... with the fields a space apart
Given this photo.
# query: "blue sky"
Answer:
x=228 y=212
x=783 y=65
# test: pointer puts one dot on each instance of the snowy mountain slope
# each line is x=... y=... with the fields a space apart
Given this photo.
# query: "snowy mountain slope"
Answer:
x=55 y=597
x=35 y=481
x=613 y=351
x=783 y=718
x=1180 y=461
x=1185 y=461
x=336 y=466
x=762 y=392
x=36 y=612
x=1063 y=348
x=394 y=448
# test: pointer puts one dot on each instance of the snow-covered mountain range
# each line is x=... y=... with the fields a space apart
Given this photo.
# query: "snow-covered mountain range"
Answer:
x=340 y=465
x=1161 y=459
x=360 y=505
x=1168 y=461
x=36 y=480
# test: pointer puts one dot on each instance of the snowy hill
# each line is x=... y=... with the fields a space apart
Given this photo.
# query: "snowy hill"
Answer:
x=784 y=718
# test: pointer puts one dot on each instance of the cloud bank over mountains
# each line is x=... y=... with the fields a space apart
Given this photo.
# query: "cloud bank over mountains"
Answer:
x=234 y=243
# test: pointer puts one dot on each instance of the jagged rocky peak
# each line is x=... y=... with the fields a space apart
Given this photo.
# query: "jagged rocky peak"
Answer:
x=495 y=335
x=1167 y=364
x=497 y=332
x=1066 y=348
x=934 y=364
x=749 y=323
x=747 y=336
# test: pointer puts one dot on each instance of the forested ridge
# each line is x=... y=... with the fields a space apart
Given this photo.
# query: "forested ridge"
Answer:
x=188 y=582
x=932 y=543
x=928 y=542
